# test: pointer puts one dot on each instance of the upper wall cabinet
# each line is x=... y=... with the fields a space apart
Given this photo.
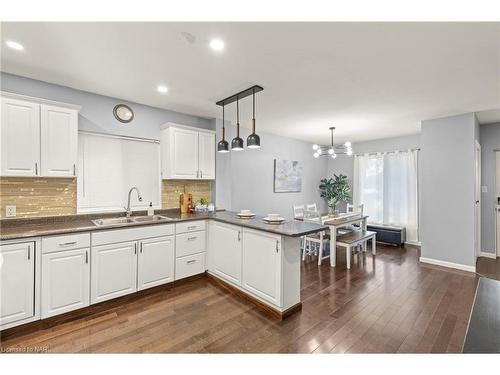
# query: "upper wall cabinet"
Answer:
x=38 y=137
x=59 y=141
x=187 y=153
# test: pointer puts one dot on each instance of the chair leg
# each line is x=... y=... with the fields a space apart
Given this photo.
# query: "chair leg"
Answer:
x=304 y=249
x=374 y=248
x=320 y=252
x=333 y=255
x=365 y=242
x=348 y=256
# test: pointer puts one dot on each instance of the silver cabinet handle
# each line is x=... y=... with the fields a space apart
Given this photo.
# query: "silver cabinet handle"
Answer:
x=67 y=243
x=141 y=248
x=36 y=168
x=277 y=245
x=86 y=256
x=191 y=261
x=239 y=236
x=74 y=170
x=135 y=248
x=29 y=252
x=192 y=238
x=201 y=174
x=191 y=228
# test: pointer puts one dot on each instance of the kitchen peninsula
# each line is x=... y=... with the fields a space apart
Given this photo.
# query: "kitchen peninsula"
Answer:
x=55 y=265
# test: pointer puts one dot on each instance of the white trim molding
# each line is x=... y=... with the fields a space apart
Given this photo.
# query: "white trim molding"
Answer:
x=488 y=255
x=443 y=263
x=12 y=95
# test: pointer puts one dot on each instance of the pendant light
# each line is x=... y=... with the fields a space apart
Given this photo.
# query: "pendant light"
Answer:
x=223 y=145
x=253 y=140
x=237 y=142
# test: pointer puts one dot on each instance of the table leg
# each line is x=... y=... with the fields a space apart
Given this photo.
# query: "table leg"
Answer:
x=333 y=246
x=348 y=256
x=374 y=248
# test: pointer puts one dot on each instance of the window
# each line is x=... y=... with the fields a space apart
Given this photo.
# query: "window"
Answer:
x=109 y=166
x=386 y=183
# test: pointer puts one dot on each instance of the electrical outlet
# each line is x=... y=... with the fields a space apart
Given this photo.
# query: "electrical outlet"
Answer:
x=10 y=211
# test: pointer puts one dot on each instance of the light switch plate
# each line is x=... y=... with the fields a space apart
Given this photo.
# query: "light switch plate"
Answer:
x=10 y=211
x=484 y=189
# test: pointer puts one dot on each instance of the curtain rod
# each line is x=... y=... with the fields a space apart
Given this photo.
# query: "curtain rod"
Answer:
x=127 y=137
x=385 y=152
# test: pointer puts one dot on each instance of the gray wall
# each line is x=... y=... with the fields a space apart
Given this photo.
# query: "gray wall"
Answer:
x=490 y=141
x=97 y=110
x=245 y=178
x=447 y=189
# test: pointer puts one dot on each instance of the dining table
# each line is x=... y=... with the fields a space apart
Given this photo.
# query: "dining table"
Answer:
x=335 y=222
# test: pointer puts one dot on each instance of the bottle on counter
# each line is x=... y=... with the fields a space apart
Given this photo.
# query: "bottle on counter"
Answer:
x=151 y=210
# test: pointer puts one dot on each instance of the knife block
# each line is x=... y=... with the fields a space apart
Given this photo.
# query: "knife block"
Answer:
x=185 y=202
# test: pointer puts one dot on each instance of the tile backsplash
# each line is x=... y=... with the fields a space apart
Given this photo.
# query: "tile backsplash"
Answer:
x=57 y=196
x=38 y=196
x=171 y=189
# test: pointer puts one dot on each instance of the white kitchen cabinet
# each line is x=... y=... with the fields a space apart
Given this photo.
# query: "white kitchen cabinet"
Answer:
x=187 y=153
x=225 y=251
x=156 y=262
x=17 y=282
x=262 y=265
x=59 y=141
x=114 y=271
x=206 y=147
x=65 y=281
x=20 y=138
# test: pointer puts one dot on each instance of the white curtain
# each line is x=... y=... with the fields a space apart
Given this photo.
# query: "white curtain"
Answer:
x=386 y=183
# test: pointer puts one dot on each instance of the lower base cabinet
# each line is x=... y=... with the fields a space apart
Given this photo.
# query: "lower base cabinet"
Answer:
x=65 y=281
x=17 y=282
x=155 y=262
x=114 y=271
x=225 y=251
x=262 y=265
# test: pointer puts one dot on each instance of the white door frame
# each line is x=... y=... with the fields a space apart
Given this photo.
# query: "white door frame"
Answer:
x=497 y=206
x=477 y=197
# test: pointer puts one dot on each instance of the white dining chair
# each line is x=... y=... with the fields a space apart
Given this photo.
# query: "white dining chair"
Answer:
x=311 y=207
x=314 y=244
x=352 y=208
x=298 y=211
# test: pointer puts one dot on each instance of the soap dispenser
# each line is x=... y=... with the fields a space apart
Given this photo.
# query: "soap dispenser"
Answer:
x=151 y=210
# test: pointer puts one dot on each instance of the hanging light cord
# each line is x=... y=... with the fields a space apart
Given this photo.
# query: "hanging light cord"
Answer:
x=223 y=127
x=238 y=117
x=253 y=111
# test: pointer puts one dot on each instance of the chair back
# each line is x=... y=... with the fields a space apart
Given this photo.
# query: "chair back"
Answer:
x=298 y=211
x=312 y=216
x=352 y=208
x=312 y=207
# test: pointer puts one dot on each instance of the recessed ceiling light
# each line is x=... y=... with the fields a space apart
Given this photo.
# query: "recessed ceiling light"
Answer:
x=217 y=44
x=14 y=45
x=162 y=89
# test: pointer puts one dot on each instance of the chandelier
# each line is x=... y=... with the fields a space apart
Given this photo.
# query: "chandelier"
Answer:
x=332 y=150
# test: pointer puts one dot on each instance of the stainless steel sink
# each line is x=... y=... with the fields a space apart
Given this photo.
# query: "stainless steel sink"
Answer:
x=130 y=220
x=147 y=219
x=113 y=221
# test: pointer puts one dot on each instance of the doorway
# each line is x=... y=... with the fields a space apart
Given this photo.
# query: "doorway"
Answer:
x=477 y=207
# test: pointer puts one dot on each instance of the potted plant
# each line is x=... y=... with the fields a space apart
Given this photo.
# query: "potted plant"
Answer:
x=335 y=190
x=201 y=205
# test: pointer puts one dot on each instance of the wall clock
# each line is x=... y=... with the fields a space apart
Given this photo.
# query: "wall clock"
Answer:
x=123 y=113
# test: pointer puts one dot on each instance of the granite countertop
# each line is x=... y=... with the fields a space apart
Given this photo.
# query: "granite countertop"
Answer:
x=11 y=229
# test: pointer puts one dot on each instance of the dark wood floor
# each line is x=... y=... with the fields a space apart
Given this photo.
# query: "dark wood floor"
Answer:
x=390 y=305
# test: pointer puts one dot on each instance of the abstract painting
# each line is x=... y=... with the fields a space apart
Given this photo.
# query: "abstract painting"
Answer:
x=287 y=176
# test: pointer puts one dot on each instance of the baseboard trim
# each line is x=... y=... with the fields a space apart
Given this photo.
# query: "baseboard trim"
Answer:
x=443 y=263
x=488 y=255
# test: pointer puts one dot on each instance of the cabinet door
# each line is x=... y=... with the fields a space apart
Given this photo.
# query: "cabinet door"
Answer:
x=114 y=271
x=206 y=148
x=183 y=153
x=262 y=265
x=59 y=141
x=20 y=138
x=225 y=251
x=17 y=282
x=156 y=262
x=65 y=281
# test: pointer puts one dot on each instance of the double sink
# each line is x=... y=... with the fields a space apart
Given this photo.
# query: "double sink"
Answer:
x=130 y=220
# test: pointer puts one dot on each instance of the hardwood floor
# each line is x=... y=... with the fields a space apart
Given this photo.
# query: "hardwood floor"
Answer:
x=391 y=305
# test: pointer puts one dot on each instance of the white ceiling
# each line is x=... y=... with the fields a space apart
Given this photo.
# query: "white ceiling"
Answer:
x=370 y=80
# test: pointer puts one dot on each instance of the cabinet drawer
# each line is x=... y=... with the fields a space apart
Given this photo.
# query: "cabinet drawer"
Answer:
x=189 y=265
x=189 y=243
x=190 y=226
x=131 y=234
x=65 y=242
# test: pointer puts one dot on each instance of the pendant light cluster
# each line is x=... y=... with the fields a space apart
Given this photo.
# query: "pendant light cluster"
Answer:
x=237 y=144
x=332 y=150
